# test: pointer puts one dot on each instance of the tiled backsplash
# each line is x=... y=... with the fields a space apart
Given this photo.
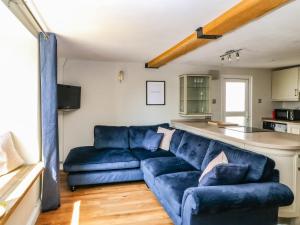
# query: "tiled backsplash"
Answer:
x=290 y=105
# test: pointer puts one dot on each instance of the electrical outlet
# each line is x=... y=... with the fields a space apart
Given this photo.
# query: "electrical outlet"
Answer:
x=259 y=100
x=214 y=101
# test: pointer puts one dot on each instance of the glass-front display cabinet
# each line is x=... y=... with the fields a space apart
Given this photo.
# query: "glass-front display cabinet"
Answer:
x=194 y=95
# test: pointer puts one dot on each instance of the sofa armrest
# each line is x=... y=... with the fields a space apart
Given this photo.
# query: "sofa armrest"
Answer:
x=215 y=199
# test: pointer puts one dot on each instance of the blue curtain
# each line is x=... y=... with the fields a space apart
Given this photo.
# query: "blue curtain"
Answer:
x=48 y=74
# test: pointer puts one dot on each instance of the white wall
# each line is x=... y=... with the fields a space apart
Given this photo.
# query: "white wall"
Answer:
x=106 y=101
x=19 y=85
x=19 y=99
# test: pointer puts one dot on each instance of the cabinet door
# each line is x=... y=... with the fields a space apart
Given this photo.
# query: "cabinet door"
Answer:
x=293 y=129
x=197 y=95
x=285 y=85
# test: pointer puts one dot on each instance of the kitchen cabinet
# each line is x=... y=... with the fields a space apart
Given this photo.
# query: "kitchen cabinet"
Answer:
x=194 y=97
x=285 y=84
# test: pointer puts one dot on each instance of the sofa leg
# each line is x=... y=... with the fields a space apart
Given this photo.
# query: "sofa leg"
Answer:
x=73 y=188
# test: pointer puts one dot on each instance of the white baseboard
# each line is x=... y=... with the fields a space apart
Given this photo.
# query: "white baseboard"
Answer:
x=35 y=214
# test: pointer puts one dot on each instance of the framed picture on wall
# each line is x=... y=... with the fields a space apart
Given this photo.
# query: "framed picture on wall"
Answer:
x=155 y=92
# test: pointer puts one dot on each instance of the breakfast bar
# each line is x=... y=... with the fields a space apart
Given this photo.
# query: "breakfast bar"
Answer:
x=283 y=148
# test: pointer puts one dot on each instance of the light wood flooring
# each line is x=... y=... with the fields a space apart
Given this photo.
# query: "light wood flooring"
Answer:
x=113 y=204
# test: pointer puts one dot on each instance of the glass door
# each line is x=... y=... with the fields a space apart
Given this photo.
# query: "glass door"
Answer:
x=197 y=94
x=235 y=98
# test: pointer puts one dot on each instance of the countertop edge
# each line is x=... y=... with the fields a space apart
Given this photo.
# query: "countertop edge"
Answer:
x=211 y=134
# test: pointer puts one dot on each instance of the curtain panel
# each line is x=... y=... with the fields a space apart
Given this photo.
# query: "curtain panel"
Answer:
x=48 y=76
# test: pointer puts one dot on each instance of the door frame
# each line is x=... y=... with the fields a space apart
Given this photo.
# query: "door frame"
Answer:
x=222 y=88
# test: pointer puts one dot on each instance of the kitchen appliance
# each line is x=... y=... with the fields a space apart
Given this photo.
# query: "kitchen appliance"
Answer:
x=247 y=129
x=287 y=114
x=275 y=126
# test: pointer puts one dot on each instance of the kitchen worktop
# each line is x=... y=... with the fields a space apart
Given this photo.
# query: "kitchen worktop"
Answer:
x=271 y=140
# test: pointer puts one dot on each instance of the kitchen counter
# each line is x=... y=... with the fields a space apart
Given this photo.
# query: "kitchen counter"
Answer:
x=270 y=140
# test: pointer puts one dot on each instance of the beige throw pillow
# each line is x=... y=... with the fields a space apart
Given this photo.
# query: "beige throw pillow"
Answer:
x=220 y=159
x=9 y=157
x=165 y=142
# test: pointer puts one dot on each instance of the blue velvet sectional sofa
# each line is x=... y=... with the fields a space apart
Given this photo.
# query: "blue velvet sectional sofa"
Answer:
x=118 y=156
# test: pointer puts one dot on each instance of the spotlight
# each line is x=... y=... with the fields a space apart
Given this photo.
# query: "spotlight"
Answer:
x=229 y=58
x=237 y=55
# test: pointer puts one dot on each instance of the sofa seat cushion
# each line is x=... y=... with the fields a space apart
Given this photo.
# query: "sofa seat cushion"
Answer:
x=165 y=165
x=193 y=149
x=260 y=166
x=143 y=154
x=137 y=134
x=111 y=137
x=91 y=159
x=172 y=186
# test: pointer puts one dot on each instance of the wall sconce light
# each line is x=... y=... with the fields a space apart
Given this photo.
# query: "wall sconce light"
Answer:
x=121 y=76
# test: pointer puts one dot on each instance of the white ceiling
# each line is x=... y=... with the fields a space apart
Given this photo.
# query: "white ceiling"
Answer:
x=139 y=30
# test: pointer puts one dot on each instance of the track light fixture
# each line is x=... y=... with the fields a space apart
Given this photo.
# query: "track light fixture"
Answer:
x=229 y=54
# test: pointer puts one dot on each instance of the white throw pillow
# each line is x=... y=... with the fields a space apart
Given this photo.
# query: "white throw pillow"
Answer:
x=9 y=157
x=165 y=142
x=220 y=159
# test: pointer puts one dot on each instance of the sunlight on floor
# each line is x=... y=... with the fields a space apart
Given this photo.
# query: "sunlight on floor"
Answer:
x=76 y=212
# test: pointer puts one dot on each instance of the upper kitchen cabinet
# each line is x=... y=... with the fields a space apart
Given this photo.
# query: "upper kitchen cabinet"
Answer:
x=285 y=84
x=194 y=95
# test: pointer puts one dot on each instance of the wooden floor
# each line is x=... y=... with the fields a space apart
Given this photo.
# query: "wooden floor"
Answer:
x=114 y=204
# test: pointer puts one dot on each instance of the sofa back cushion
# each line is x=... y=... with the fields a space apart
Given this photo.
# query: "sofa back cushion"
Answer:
x=193 y=149
x=111 y=137
x=137 y=134
x=175 y=141
x=260 y=166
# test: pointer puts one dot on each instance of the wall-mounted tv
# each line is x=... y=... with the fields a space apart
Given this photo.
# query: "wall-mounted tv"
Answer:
x=68 y=97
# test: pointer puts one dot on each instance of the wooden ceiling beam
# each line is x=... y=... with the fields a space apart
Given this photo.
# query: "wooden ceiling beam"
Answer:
x=237 y=16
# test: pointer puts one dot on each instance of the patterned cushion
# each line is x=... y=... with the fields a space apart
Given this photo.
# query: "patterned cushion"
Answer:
x=165 y=142
x=220 y=159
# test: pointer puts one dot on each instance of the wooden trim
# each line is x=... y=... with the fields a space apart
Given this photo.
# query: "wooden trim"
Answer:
x=242 y=13
x=19 y=179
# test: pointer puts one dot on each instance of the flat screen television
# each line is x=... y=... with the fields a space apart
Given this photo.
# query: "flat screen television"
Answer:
x=68 y=97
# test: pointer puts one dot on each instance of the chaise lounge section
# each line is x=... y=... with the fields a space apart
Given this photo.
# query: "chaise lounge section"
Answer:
x=173 y=176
